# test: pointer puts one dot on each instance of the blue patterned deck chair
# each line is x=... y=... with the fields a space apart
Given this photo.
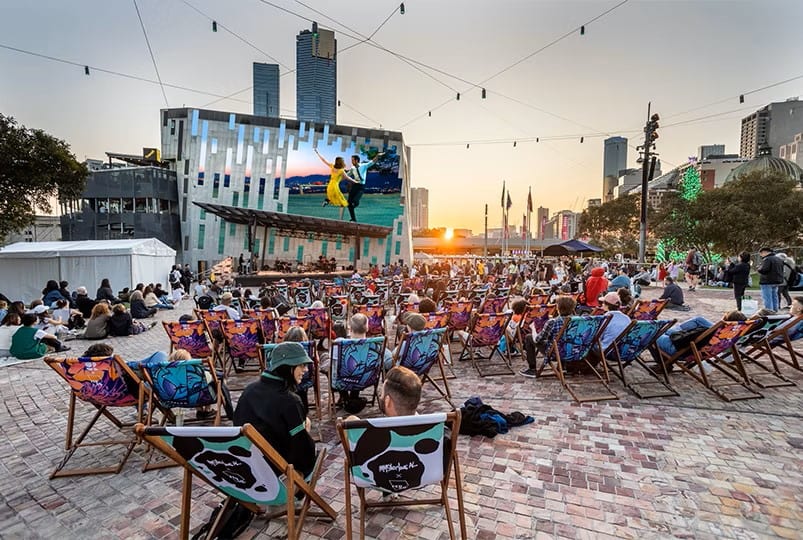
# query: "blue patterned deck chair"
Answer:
x=574 y=342
x=781 y=339
x=484 y=333
x=400 y=455
x=769 y=376
x=183 y=384
x=419 y=352
x=311 y=378
x=104 y=383
x=242 y=465
x=356 y=364
x=626 y=350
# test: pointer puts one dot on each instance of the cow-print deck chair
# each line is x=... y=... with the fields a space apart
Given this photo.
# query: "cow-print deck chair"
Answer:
x=400 y=454
x=241 y=464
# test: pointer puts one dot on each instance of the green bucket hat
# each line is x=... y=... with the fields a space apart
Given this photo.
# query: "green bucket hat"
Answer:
x=288 y=353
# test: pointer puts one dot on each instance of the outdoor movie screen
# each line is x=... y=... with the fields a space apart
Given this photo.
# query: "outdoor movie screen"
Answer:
x=317 y=190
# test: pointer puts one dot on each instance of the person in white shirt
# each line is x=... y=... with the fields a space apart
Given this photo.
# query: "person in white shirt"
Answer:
x=618 y=320
x=225 y=305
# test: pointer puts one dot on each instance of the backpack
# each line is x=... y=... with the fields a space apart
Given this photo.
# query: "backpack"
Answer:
x=697 y=260
x=794 y=275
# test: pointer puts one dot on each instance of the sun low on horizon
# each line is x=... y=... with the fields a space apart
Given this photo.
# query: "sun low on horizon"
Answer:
x=449 y=234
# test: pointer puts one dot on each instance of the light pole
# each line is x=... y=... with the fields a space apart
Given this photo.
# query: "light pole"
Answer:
x=648 y=169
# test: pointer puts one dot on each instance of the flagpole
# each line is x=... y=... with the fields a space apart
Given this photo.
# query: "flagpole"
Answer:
x=504 y=218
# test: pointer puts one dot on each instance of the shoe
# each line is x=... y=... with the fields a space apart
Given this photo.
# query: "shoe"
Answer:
x=154 y=323
x=63 y=349
x=529 y=372
x=389 y=497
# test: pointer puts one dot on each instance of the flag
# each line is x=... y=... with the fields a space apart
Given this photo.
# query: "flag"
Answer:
x=524 y=228
x=530 y=200
x=509 y=202
x=502 y=204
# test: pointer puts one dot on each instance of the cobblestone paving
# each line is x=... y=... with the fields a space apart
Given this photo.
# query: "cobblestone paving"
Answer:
x=691 y=466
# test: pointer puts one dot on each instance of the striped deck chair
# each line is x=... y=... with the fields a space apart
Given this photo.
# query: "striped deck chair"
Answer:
x=267 y=322
x=419 y=352
x=376 y=318
x=781 y=340
x=104 y=383
x=760 y=338
x=242 y=465
x=311 y=378
x=712 y=346
x=288 y=321
x=355 y=365
x=647 y=310
x=574 y=343
x=485 y=333
x=399 y=455
x=242 y=344
x=627 y=349
x=320 y=325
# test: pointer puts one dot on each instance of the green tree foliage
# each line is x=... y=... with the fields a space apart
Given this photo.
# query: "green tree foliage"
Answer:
x=35 y=167
x=614 y=226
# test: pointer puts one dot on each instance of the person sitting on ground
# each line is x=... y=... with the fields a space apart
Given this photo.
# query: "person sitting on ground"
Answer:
x=97 y=325
x=11 y=323
x=595 y=286
x=121 y=323
x=533 y=344
x=51 y=293
x=105 y=292
x=621 y=280
x=65 y=292
x=272 y=406
x=3 y=309
x=29 y=342
x=83 y=302
x=138 y=308
x=674 y=294
x=152 y=300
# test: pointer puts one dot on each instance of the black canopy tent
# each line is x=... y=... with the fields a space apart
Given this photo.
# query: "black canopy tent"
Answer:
x=571 y=247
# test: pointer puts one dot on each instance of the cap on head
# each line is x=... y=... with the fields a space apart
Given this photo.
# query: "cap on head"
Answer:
x=611 y=298
x=415 y=321
x=289 y=353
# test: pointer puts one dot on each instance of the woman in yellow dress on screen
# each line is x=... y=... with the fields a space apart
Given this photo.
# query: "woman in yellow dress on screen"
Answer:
x=334 y=196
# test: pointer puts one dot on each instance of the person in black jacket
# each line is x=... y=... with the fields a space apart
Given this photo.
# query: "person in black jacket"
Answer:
x=741 y=275
x=105 y=292
x=83 y=303
x=138 y=308
x=771 y=271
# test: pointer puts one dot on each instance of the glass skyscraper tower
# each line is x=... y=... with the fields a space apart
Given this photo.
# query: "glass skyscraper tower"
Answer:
x=316 y=76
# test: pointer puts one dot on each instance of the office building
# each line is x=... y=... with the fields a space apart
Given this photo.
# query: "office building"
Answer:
x=773 y=126
x=266 y=89
x=316 y=76
x=541 y=218
x=419 y=208
x=707 y=150
x=43 y=229
x=614 y=161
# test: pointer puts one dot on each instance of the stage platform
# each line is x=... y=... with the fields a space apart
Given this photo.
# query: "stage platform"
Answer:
x=254 y=281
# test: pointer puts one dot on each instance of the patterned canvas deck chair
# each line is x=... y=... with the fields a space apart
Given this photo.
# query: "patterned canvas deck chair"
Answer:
x=283 y=289
x=459 y=318
x=769 y=375
x=211 y=319
x=242 y=465
x=626 y=351
x=420 y=351
x=302 y=297
x=104 y=383
x=477 y=295
x=401 y=454
x=182 y=384
x=438 y=319
x=320 y=325
x=371 y=299
x=647 y=310
x=355 y=364
x=286 y=322
x=539 y=299
x=267 y=322
x=534 y=315
x=329 y=290
x=190 y=336
x=311 y=378
x=242 y=345
x=779 y=343
x=338 y=308
x=493 y=304
x=376 y=319
x=356 y=291
x=711 y=346
x=383 y=291
x=574 y=342
x=484 y=334
x=450 y=295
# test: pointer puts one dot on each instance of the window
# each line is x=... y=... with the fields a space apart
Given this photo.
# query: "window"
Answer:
x=398 y=248
x=286 y=246
x=141 y=205
x=203 y=214
x=221 y=239
x=128 y=205
x=201 y=235
x=366 y=246
x=300 y=253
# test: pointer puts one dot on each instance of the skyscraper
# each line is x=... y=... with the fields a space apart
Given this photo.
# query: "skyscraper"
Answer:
x=266 y=89
x=316 y=76
x=773 y=126
x=419 y=208
x=706 y=150
x=614 y=160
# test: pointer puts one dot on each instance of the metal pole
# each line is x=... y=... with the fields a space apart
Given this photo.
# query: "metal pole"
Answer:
x=642 y=246
x=485 y=245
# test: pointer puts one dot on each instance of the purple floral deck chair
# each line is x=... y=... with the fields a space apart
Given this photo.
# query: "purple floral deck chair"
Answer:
x=484 y=334
x=267 y=322
x=190 y=336
x=376 y=318
x=242 y=345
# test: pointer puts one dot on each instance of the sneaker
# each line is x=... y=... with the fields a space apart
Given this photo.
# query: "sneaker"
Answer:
x=63 y=349
x=529 y=372
x=389 y=497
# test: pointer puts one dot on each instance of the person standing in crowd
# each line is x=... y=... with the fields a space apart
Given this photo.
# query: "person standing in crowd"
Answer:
x=595 y=286
x=741 y=276
x=788 y=268
x=771 y=278
x=693 y=263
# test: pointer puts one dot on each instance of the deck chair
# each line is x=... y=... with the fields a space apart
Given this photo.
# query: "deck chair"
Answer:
x=769 y=376
x=339 y=309
x=485 y=332
x=302 y=297
x=398 y=455
x=647 y=310
x=242 y=344
x=376 y=318
x=356 y=291
x=241 y=464
x=104 y=383
x=711 y=345
x=211 y=319
x=419 y=352
x=493 y=304
x=627 y=349
x=190 y=336
x=267 y=322
x=182 y=384
x=330 y=289
x=534 y=315
x=311 y=378
x=577 y=337
x=437 y=319
x=286 y=322
x=320 y=325
x=355 y=364
x=478 y=295
x=780 y=340
x=539 y=299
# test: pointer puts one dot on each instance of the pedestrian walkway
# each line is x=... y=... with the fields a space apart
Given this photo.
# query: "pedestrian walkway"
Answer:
x=691 y=466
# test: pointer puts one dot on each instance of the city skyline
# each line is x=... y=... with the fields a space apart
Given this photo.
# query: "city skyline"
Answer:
x=592 y=86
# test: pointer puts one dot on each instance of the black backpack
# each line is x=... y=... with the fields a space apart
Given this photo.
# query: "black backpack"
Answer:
x=794 y=275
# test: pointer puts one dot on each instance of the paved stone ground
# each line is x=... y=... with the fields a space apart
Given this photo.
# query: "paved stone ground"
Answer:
x=691 y=466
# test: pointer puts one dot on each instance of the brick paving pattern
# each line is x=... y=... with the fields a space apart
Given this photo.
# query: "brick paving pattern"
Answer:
x=691 y=466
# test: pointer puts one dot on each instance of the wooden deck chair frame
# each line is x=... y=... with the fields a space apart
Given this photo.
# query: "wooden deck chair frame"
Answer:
x=778 y=339
x=209 y=317
x=314 y=370
x=452 y=469
x=653 y=309
x=72 y=444
x=759 y=335
x=473 y=349
x=557 y=365
x=619 y=368
x=698 y=350
x=293 y=481
x=400 y=360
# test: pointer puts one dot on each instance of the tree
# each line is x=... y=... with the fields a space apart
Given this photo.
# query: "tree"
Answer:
x=614 y=226
x=35 y=167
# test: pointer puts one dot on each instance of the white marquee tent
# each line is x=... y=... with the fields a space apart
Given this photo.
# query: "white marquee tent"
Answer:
x=25 y=267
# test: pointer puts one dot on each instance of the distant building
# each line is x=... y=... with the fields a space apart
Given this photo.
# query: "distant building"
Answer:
x=562 y=226
x=43 y=229
x=707 y=150
x=774 y=125
x=614 y=161
x=541 y=218
x=419 y=208
x=316 y=76
x=462 y=233
x=594 y=202
x=630 y=180
x=793 y=150
x=266 y=89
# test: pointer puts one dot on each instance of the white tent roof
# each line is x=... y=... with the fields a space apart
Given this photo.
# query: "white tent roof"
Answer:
x=139 y=246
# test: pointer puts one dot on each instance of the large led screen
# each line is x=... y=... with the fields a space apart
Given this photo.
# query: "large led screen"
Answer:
x=308 y=180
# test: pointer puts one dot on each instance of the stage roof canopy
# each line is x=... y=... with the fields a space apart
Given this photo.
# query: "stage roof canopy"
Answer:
x=247 y=216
